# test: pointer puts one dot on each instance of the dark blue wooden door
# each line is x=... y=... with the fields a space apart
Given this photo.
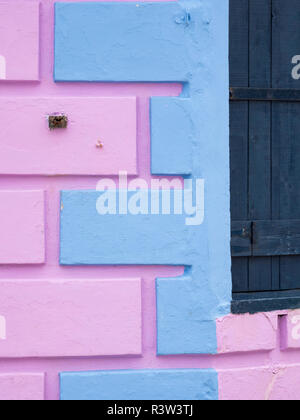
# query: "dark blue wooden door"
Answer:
x=265 y=153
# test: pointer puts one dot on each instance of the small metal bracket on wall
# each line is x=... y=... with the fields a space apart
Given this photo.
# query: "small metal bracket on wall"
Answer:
x=57 y=121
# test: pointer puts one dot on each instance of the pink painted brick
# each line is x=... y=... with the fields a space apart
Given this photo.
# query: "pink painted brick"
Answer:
x=291 y=330
x=286 y=383
x=19 y=46
x=244 y=384
x=22 y=387
x=57 y=318
x=28 y=146
x=260 y=383
x=245 y=333
x=22 y=225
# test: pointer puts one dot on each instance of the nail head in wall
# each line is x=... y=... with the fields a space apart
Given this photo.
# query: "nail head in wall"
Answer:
x=57 y=121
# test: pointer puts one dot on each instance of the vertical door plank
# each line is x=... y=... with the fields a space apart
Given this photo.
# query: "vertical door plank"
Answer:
x=260 y=269
x=239 y=64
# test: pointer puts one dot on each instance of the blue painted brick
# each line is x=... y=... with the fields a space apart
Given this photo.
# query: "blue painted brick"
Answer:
x=171 y=136
x=194 y=384
x=97 y=41
x=88 y=238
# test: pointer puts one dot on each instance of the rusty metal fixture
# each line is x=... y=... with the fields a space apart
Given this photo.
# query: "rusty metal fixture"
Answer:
x=57 y=121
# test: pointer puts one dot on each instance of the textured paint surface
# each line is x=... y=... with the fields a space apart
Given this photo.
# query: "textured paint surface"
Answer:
x=260 y=332
x=186 y=307
x=143 y=42
x=197 y=384
x=19 y=46
x=22 y=387
x=71 y=318
x=86 y=236
x=242 y=354
x=264 y=383
x=182 y=303
x=28 y=146
x=22 y=227
x=171 y=141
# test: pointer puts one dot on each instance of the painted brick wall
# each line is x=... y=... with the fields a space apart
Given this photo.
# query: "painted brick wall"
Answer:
x=96 y=308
